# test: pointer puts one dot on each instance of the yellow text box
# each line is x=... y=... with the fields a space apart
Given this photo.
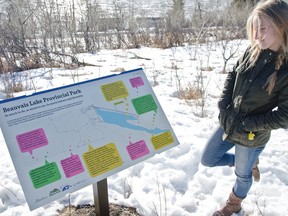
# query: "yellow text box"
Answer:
x=102 y=160
x=162 y=140
x=114 y=91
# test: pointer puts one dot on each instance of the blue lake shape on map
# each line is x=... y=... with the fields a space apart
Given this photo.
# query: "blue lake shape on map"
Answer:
x=122 y=119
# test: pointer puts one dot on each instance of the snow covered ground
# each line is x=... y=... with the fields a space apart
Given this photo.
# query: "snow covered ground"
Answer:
x=172 y=183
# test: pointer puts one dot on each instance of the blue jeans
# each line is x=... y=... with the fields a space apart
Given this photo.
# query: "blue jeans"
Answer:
x=216 y=154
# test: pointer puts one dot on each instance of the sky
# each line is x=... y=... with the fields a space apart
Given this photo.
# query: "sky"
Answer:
x=172 y=183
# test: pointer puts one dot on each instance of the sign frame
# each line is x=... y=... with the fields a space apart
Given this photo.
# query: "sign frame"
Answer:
x=63 y=139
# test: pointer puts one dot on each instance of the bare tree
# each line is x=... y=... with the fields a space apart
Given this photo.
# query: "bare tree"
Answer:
x=92 y=22
x=244 y=3
x=229 y=49
x=175 y=22
x=13 y=34
x=119 y=14
x=35 y=33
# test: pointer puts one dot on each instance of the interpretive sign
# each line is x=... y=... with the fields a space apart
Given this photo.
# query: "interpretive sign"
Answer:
x=67 y=138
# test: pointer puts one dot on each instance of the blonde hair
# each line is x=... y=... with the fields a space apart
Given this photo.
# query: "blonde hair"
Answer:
x=276 y=11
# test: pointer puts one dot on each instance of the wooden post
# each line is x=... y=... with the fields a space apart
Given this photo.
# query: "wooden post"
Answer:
x=100 y=192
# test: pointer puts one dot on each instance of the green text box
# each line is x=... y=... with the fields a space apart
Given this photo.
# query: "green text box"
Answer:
x=45 y=175
x=144 y=104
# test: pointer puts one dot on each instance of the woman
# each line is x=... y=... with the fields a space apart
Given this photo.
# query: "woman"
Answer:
x=254 y=100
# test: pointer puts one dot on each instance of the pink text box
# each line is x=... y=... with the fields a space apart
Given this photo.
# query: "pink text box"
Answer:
x=32 y=140
x=137 y=150
x=136 y=82
x=72 y=166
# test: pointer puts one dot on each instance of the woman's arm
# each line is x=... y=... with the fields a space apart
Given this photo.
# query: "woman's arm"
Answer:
x=275 y=119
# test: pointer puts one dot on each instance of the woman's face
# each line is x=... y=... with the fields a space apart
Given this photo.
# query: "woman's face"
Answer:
x=264 y=34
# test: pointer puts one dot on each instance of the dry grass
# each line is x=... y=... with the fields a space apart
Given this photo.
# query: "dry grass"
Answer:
x=89 y=210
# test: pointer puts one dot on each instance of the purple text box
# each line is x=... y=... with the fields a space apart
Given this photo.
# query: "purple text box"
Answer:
x=72 y=166
x=32 y=140
x=136 y=82
x=137 y=150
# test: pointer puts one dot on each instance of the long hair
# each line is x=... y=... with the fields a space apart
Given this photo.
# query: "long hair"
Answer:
x=276 y=11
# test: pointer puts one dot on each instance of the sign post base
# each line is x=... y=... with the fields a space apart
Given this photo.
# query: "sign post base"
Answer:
x=100 y=192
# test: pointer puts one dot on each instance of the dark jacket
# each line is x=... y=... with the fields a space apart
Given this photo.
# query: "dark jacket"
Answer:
x=245 y=104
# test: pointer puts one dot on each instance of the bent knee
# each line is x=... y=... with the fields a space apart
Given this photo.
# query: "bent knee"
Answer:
x=207 y=163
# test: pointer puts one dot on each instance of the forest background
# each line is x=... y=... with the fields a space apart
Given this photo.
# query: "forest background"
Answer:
x=50 y=33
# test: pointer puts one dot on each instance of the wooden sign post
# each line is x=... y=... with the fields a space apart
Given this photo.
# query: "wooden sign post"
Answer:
x=101 y=202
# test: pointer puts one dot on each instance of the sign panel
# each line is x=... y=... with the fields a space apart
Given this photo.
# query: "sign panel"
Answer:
x=67 y=138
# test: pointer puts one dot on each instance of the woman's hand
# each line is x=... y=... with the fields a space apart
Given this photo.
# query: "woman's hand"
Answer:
x=226 y=119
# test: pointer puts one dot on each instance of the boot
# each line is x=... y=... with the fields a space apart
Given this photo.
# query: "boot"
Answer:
x=233 y=205
x=256 y=172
